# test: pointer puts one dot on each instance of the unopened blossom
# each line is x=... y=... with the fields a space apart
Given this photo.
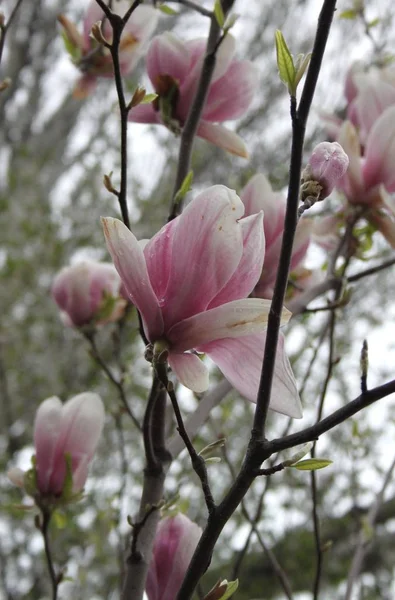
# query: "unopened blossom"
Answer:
x=88 y=292
x=256 y=196
x=174 y=67
x=327 y=164
x=72 y=429
x=191 y=284
x=175 y=543
x=93 y=58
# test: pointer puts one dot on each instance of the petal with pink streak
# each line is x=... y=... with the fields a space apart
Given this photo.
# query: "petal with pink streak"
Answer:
x=249 y=269
x=81 y=427
x=129 y=261
x=379 y=166
x=190 y=371
x=223 y=138
x=240 y=360
x=369 y=105
x=231 y=95
x=235 y=319
x=385 y=223
x=351 y=183
x=175 y=542
x=47 y=426
x=158 y=255
x=197 y=52
x=144 y=113
x=168 y=55
x=207 y=248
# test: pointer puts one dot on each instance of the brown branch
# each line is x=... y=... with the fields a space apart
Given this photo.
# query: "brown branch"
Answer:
x=5 y=26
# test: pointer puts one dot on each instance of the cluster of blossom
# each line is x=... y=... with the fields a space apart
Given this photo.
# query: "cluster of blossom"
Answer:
x=203 y=284
x=368 y=138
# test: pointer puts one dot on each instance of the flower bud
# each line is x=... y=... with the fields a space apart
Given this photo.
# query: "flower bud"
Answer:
x=65 y=438
x=175 y=542
x=327 y=164
x=88 y=292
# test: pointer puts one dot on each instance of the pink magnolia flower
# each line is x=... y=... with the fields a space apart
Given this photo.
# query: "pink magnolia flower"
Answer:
x=190 y=284
x=82 y=290
x=174 y=68
x=92 y=58
x=370 y=178
x=73 y=428
x=175 y=543
x=256 y=196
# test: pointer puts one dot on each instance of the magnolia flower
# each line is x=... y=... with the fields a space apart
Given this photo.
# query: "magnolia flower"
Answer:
x=175 y=543
x=88 y=292
x=174 y=68
x=370 y=178
x=190 y=284
x=92 y=58
x=256 y=196
x=72 y=429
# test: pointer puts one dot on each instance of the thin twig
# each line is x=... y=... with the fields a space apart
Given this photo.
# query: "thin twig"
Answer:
x=371 y=271
x=196 y=7
x=44 y=528
x=118 y=383
x=152 y=461
x=198 y=462
x=299 y=117
x=5 y=27
x=364 y=539
x=192 y=121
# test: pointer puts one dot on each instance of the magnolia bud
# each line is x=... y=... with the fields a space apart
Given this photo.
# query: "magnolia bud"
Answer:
x=327 y=164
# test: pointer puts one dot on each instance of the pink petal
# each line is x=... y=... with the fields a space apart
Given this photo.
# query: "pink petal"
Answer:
x=249 y=269
x=258 y=195
x=144 y=113
x=301 y=242
x=130 y=263
x=47 y=426
x=369 y=105
x=158 y=256
x=351 y=183
x=190 y=371
x=175 y=542
x=81 y=427
x=168 y=55
x=379 y=165
x=231 y=95
x=240 y=360
x=223 y=138
x=207 y=248
x=384 y=220
x=235 y=319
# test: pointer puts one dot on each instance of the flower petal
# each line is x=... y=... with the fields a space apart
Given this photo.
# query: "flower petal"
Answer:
x=379 y=166
x=240 y=360
x=129 y=261
x=249 y=269
x=144 y=113
x=190 y=371
x=168 y=55
x=231 y=95
x=47 y=426
x=206 y=250
x=223 y=138
x=158 y=256
x=235 y=319
x=352 y=182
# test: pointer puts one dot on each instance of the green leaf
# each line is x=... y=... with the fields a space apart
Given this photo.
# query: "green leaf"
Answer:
x=219 y=13
x=312 y=464
x=148 y=98
x=373 y=23
x=185 y=188
x=59 y=519
x=301 y=68
x=285 y=63
x=230 y=590
x=348 y=14
x=167 y=10
x=73 y=50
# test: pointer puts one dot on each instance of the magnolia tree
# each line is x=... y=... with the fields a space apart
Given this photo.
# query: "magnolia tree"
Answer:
x=204 y=331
